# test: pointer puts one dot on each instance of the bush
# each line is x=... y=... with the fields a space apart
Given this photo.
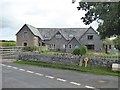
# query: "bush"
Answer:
x=80 y=51
x=76 y=51
x=30 y=48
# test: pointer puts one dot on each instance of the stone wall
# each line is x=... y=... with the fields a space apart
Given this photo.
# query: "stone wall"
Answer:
x=57 y=59
x=69 y=59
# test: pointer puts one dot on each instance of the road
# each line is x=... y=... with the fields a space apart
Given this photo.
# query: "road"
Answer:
x=26 y=76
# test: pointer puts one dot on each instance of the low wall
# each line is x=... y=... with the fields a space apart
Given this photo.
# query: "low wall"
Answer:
x=57 y=59
x=69 y=59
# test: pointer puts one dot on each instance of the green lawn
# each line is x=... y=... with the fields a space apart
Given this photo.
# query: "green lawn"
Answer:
x=95 y=70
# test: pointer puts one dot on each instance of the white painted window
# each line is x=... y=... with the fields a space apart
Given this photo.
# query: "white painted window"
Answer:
x=52 y=46
x=64 y=46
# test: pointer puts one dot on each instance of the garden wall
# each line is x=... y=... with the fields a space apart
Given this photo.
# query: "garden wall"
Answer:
x=68 y=59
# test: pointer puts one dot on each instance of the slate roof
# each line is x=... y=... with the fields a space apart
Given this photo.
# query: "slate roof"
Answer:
x=48 y=33
x=35 y=31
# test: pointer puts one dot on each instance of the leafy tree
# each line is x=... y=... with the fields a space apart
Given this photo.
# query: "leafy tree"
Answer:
x=116 y=41
x=107 y=14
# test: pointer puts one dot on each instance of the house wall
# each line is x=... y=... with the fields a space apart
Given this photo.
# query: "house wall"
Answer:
x=96 y=40
x=59 y=43
x=31 y=40
x=74 y=43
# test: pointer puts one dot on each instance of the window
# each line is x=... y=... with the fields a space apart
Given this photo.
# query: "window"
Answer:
x=91 y=47
x=76 y=46
x=25 y=43
x=58 y=36
x=90 y=37
x=109 y=46
x=52 y=46
x=64 y=46
x=46 y=36
x=25 y=35
x=70 y=46
x=71 y=36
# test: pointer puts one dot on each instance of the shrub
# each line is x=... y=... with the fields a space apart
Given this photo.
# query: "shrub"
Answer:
x=83 y=50
x=76 y=51
x=80 y=51
x=30 y=48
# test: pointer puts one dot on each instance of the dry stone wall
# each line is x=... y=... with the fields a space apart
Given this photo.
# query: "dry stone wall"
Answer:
x=69 y=59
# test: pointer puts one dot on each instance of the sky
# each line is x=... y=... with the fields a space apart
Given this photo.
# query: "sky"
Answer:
x=40 y=14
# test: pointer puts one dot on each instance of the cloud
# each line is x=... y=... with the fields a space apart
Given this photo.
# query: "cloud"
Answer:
x=39 y=13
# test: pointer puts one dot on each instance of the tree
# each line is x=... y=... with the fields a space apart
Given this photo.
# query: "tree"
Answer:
x=116 y=42
x=107 y=14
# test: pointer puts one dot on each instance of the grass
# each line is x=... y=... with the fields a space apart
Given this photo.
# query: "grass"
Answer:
x=95 y=70
x=4 y=44
x=51 y=52
x=92 y=53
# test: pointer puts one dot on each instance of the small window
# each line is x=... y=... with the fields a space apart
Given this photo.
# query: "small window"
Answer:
x=25 y=44
x=109 y=46
x=25 y=35
x=71 y=36
x=64 y=46
x=52 y=46
x=70 y=46
x=90 y=37
x=46 y=36
x=58 y=36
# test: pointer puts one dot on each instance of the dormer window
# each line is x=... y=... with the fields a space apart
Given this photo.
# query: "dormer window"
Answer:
x=58 y=36
x=71 y=36
x=45 y=36
x=90 y=37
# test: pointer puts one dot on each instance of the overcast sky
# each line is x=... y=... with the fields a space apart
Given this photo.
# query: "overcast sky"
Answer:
x=39 y=13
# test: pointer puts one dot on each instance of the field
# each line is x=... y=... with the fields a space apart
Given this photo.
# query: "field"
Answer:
x=5 y=44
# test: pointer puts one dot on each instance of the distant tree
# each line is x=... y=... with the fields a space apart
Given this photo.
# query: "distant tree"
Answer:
x=116 y=42
x=107 y=14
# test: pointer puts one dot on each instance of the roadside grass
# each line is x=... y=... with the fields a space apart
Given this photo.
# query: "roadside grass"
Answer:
x=95 y=70
x=4 y=44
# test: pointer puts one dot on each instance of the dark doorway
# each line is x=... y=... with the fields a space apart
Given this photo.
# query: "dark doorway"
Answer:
x=25 y=44
x=91 y=47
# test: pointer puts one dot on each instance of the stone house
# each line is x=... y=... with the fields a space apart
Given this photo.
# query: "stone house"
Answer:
x=59 y=39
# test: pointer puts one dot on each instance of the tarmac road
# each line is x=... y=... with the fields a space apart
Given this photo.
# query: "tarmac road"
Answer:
x=26 y=76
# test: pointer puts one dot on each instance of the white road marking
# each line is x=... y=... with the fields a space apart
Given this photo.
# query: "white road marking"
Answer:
x=22 y=69
x=89 y=87
x=15 y=67
x=75 y=83
x=39 y=74
x=61 y=79
x=29 y=71
x=50 y=77
x=9 y=66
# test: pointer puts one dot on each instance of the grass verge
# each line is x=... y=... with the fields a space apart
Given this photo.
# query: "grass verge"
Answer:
x=95 y=70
